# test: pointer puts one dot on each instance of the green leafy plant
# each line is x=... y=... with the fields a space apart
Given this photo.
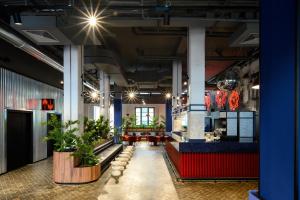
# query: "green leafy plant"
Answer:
x=63 y=135
x=85 y=150
x=155 y=122
x=162 y=124
x=102 y=127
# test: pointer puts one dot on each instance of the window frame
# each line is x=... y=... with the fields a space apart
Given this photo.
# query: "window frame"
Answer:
x=141 y=115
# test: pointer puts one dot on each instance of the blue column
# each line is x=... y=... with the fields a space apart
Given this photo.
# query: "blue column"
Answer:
x=117 y=113
x=278 y=100
x=168 y=116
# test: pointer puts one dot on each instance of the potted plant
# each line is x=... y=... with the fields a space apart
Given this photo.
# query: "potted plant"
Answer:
x=162 y=125
x=62 y=135
x=74 y=160
x=155 y=123
x=85 y=150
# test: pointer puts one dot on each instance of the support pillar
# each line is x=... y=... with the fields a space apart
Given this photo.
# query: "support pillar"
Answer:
x=196 y=73
x=168 y=116
x=73 y=100
x=117 y=113
x=104 y=94
x=176 y=92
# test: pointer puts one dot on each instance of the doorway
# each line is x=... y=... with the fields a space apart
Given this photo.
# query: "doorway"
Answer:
x=19 y=139
x=49 y=142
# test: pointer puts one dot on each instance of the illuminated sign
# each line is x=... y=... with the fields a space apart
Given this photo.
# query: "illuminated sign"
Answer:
x=234 y=99
x=48 y=104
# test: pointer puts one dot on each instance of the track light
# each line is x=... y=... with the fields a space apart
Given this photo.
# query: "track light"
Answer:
x=17 y=19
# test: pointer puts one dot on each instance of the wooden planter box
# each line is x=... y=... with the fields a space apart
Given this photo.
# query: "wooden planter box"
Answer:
x=66 y=169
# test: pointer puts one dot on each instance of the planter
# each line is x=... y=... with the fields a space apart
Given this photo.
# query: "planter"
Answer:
x=253 y=195
x=66 y=169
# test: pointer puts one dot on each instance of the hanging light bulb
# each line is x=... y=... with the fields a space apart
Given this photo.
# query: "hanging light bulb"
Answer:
x=168 y=95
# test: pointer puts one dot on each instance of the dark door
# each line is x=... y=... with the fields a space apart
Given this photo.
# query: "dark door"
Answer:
x=19 y=139
x=50 y=143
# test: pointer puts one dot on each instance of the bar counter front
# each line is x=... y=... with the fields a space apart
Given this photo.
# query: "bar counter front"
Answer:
x=214 y=160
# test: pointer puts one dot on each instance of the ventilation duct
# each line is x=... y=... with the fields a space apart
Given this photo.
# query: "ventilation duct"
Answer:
x=19 y=43
x=106 y=61
x=246 y=35
x=42 y=30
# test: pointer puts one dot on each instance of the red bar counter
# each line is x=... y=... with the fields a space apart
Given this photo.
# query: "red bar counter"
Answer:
x=224 y=160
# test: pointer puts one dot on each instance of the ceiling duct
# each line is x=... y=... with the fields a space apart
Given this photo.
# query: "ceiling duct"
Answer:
x=42 y=30
x=107 y=61
x=246 y=35
x=21 y=44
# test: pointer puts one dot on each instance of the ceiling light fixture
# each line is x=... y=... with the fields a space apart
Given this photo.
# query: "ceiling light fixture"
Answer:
x=92 y=20
x=131 y=95
x=168 y=95
x=17 y=19
x=185 y=83
x=61 y=82
x=255 y=87
x=94 y=94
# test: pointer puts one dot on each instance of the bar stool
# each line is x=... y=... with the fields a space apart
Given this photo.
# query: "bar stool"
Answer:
x=118 y=163
x=122 y=159
x=116 y=175
x=119 y=168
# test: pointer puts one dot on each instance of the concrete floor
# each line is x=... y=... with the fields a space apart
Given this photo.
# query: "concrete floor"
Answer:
x=147 y=177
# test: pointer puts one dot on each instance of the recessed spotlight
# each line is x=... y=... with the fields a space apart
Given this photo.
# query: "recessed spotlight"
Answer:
x=61 y=82
x=185 y=83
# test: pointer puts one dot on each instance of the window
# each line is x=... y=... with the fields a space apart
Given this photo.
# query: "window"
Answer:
x=144 y=116
x=96 y=112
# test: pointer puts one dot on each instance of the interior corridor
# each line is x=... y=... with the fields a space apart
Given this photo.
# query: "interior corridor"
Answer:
x=147 y=177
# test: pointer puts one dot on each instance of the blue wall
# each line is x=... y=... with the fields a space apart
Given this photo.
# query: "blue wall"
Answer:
x=278 y=99
x=117 y=113
x=168 y=116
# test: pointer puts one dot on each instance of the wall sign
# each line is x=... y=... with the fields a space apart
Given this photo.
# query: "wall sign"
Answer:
x=48 y=104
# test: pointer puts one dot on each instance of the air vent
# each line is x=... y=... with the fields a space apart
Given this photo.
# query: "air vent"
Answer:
x=41 y=36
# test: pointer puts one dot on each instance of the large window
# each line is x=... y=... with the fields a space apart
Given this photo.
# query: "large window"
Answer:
x=144 y=116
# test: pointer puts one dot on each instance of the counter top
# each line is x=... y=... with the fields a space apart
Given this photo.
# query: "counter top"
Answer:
x=215 y=147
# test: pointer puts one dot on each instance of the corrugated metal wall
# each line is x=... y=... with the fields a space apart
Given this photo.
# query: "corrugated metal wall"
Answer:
x=18 y=92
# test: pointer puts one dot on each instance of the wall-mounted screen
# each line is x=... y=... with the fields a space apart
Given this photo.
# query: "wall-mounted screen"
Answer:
x=48 y=104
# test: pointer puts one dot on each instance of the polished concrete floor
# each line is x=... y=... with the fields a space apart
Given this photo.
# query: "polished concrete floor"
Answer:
x=147 y=177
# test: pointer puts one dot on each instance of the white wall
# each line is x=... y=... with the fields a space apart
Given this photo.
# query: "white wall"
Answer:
x=159 y=109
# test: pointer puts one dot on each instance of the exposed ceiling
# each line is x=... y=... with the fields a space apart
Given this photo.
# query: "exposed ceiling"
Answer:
x=144 y=36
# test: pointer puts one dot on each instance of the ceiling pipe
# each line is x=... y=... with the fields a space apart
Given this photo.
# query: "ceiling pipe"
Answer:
x=24 y=46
